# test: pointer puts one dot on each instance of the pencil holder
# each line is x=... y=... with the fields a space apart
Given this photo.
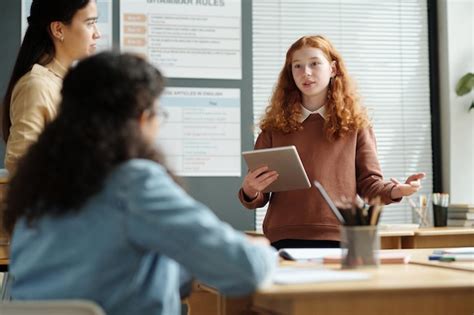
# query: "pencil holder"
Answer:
x=440 y=215
x=360 y=246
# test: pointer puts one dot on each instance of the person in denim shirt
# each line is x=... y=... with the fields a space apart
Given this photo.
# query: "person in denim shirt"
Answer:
x=94 y=213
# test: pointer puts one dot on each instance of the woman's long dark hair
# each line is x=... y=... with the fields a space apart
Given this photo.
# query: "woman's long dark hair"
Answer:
x=97 y=128
x=37 y=45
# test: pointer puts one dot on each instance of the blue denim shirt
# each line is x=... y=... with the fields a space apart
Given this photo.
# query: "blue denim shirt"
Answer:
x=132 y=247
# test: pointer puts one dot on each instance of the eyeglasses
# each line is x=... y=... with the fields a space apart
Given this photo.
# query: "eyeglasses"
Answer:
x=159 y=112
x=162 y=115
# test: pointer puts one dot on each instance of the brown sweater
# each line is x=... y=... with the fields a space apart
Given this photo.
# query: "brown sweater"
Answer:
x=344 y=167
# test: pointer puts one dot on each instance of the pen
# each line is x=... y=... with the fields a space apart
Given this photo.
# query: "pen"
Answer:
x=457 y=258
x=329 y=201
x=434 y=257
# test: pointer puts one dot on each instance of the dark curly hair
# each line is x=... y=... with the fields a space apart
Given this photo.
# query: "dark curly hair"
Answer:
x=97 y=128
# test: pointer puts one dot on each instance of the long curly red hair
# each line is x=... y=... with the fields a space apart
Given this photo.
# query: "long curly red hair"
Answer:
x=344 y=112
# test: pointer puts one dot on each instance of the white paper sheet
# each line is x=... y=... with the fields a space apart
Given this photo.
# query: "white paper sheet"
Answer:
x=298 y=275
x=309 y=253
x=202 y=134
x=185 y=39
x=455 y=251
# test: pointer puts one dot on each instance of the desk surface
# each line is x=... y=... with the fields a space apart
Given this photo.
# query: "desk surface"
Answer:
x=388 y=233
x=449 y=230
x=392 y=289
x=420 y=257
x=384 y=278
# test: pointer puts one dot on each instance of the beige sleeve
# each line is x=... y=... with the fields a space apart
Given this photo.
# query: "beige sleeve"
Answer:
x=33 y=105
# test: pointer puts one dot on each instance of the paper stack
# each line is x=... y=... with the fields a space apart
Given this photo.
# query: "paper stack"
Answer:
x=461 y=215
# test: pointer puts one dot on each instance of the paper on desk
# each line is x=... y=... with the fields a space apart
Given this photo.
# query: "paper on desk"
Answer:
x=455 y=251
x=383 y=257
x=308 y=253
x=298 y=275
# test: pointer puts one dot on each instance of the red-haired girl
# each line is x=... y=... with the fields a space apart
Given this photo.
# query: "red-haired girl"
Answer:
x=315 y=107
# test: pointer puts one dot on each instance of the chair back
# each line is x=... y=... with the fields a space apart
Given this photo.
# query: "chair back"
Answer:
x=57 y=307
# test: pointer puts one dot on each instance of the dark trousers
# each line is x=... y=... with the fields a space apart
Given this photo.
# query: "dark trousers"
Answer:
x=292 y=243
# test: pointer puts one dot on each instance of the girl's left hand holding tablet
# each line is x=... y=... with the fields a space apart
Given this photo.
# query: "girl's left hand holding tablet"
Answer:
x=411 y=186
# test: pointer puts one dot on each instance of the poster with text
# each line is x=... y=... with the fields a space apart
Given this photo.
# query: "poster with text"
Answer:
x=201 y=136
x=104 y=22
x=185 y=38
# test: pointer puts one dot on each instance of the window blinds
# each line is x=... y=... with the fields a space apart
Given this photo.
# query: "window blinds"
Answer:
x=385 y=47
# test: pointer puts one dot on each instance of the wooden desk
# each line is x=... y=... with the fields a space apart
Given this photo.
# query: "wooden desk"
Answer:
x=420 y=238
x=392 y=289
x=440 y=237
x=420 y=257
x=393 y=239
x=3 y=258
x=3 y=249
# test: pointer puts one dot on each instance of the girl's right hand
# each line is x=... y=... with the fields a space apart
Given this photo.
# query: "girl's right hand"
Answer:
x=257 y=180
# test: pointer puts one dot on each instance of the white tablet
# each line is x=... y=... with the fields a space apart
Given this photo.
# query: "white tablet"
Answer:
x=285 y=161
